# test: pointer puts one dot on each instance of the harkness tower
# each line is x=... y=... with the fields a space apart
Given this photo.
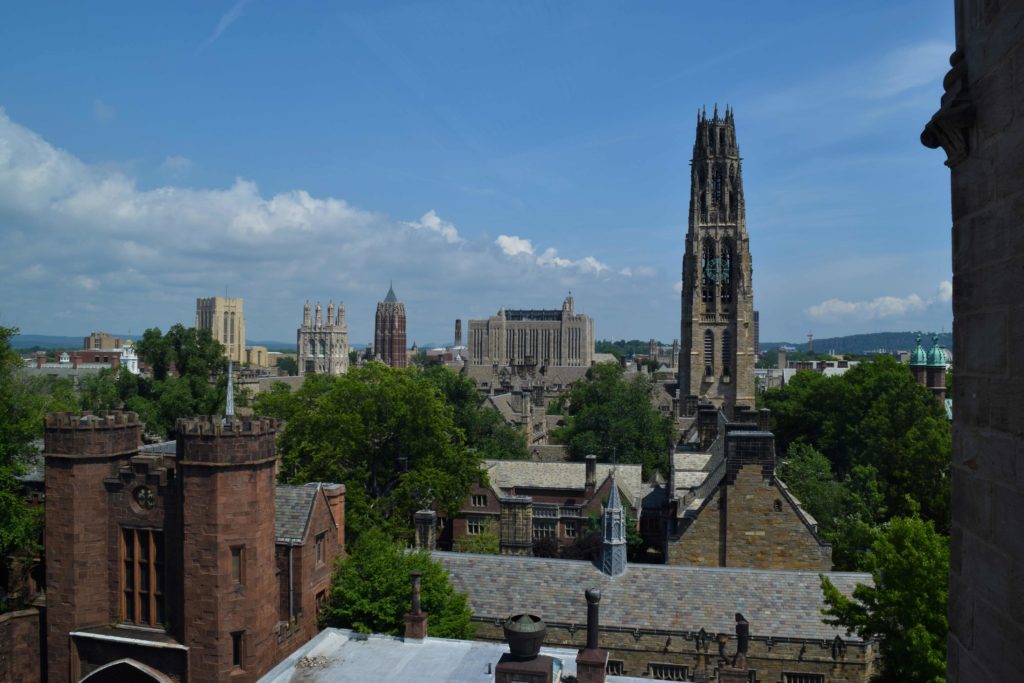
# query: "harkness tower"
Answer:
x=716 y=357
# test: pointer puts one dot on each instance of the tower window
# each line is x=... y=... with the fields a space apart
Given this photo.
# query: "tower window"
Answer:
x=716 y=186
x=237 y=651
x=238 y=564
x=709 y=353
x=726 y=351
x=142 y=576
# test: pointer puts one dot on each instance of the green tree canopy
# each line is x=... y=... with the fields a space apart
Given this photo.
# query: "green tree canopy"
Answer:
x=388 y=435
x=906 y=607
x=372 y=591
x=484 y=428
x=875 y=416
x=609 y=415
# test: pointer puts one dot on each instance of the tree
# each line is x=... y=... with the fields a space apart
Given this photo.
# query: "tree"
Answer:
x=484 y=428
x=609 y=415
x=389 y=436
x=371 y=591
x=288 y=365
x=487 y=542
x=873 y=416
x=906 y=606
x=808 y=474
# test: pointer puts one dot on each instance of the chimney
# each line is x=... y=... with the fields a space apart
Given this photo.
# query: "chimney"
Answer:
x=458 y=332
x=335 y=494
x=416 y=620
x=426 y=530
x=591 y=481
x=592 y=661
x=524 y=634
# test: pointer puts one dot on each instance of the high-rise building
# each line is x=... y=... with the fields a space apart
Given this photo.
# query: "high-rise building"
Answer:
x=389 y=331
x=533 y=337
x=323 y=345
x=225 y=319
x=716 y=361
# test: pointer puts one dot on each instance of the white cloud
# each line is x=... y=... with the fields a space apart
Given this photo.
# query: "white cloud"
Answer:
x=176 y=165
x=879 y=307
x=166 y=246
x=103 y=112
x=226 y=19
x=910 y=67
x=432 y=222
x=513 y=246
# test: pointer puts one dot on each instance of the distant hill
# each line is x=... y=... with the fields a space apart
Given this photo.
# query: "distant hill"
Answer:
x=48 y=341
x=864 y=343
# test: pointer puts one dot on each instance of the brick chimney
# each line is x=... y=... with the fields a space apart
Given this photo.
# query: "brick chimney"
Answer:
x=591 y=480
x=335 y=494
x=592 y=661
x=416 y=619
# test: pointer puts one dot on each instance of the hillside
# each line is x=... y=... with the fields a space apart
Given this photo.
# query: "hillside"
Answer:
x=864 y=343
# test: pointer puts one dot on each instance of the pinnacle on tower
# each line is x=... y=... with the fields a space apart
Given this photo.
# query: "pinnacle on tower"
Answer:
x=229 y=407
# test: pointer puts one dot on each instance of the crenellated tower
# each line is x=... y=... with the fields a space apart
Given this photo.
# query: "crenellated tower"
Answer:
x=716 y=359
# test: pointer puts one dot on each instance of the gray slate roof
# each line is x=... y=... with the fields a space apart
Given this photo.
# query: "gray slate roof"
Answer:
x=294 y=506
x=505 y=474
x=781 y=604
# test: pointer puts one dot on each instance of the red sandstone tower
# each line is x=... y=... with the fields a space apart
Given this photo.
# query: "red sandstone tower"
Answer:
x=230 y=588
x=389 y=341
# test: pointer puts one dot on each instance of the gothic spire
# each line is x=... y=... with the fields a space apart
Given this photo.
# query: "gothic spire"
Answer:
x=613 y=523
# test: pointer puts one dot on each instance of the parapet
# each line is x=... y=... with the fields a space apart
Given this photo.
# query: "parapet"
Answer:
x=104 y=433
x=216 y=441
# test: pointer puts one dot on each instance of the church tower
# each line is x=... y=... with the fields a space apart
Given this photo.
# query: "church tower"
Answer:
x=716 y=359
x=389 y=331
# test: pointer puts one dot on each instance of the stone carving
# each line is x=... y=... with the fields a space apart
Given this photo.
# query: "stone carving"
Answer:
x=950 y=125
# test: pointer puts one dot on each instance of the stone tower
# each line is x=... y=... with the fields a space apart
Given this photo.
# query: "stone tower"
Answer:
x=389 y=341
x=613 y=533
x=716 y=361
x=322 y=345
x=230 y=585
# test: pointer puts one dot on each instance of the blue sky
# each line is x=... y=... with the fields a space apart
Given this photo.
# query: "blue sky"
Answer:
x=478 y=154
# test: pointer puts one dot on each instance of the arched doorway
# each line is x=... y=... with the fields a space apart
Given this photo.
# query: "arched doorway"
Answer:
x=125 y=671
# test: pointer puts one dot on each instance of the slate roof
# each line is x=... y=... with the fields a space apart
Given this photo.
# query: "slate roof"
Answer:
x=780 y=604
x=506 y=474
x=162 y=447
x=294 y=504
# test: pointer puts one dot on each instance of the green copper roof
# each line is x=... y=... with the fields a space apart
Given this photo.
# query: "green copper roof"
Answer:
x=391 y=298
x=936 y=356
x=918 y=357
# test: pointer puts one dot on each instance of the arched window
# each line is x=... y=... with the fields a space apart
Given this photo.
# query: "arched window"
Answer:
x=322 y=348
x=709 y=353
x=312 y=347
x=726 y=352
x=716 y=187
x=707 y=266
x=725 y=272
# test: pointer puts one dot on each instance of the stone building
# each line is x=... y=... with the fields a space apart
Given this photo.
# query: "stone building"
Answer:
x=526 y=501
x=726 y=508
x=534 y=338
x=663 y=622
x=225 y=319
x=716 y=362
x=389 y=337
x=322 y=346
x=980 y=127
x=181 y=561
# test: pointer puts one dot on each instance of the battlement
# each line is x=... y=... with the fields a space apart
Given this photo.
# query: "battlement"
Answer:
x=104 y=419
x=105 y=433
x=215 y=441
x=214 y=425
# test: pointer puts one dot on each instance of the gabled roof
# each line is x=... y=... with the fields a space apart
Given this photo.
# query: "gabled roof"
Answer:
x=294 y=505
x=507 y=474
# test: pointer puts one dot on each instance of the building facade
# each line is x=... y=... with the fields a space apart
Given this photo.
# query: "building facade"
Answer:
x=181 y=561
x=525 y=337
x=322 y=346
x=225 y=319
x=717 y=359
x=389 y=335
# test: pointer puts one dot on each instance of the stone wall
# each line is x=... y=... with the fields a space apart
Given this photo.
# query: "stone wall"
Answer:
x=20 y=644
x=638 y=649
x=980 y=126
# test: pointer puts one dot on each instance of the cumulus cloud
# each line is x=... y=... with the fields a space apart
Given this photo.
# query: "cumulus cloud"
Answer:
x=879 y=307
x=431 y=222
x=514 y=246
x=71 y=230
